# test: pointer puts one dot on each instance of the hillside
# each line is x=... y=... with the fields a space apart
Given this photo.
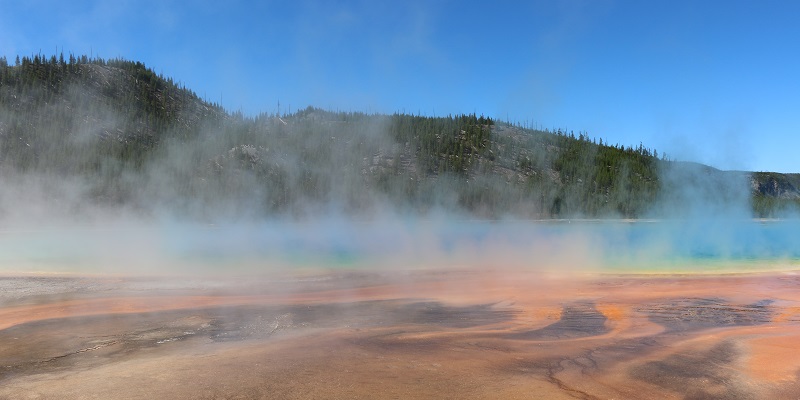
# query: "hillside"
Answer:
x=85 y=133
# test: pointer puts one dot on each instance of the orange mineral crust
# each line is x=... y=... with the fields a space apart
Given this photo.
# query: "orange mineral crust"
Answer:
x=434 y=333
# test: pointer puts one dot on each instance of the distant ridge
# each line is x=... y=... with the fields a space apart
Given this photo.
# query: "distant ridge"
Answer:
x=133 y=138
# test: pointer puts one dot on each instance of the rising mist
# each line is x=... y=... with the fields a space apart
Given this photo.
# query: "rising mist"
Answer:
x=107 y=167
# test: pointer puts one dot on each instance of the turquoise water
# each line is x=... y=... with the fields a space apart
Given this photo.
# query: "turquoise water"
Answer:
x=686 y=246
x=614 y=246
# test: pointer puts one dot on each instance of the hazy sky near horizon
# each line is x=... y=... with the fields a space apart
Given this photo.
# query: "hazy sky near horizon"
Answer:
x=709 y=81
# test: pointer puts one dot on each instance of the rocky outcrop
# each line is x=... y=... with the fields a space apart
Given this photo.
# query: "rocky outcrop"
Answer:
x=772 y=184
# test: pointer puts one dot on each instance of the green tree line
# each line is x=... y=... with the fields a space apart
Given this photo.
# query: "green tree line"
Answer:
x=145 y=141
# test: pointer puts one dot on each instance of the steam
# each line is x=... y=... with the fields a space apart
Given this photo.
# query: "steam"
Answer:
x=694 y=191
x=198 y=204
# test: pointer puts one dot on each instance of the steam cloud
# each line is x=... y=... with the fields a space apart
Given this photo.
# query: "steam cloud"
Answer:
x=55 y=221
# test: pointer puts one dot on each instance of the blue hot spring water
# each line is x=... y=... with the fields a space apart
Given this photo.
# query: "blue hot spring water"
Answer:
x=616 y=246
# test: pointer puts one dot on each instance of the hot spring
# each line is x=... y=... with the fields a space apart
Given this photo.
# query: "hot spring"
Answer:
x=654 y=246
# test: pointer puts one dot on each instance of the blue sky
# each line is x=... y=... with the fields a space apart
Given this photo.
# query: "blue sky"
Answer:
x=709 y=81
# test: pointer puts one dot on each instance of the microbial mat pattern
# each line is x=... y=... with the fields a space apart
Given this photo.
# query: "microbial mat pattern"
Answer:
x=446 y=333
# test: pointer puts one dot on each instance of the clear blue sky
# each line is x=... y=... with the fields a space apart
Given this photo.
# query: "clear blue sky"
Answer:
x=711 y=81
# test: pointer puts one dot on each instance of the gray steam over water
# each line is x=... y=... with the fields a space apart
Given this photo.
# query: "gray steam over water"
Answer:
x=87 y=188
x=413 y=243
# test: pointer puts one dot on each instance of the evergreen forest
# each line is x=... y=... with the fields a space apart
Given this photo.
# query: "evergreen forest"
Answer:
x=83 y=133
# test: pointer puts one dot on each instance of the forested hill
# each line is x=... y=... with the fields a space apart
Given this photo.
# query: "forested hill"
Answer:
x=84 y=133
